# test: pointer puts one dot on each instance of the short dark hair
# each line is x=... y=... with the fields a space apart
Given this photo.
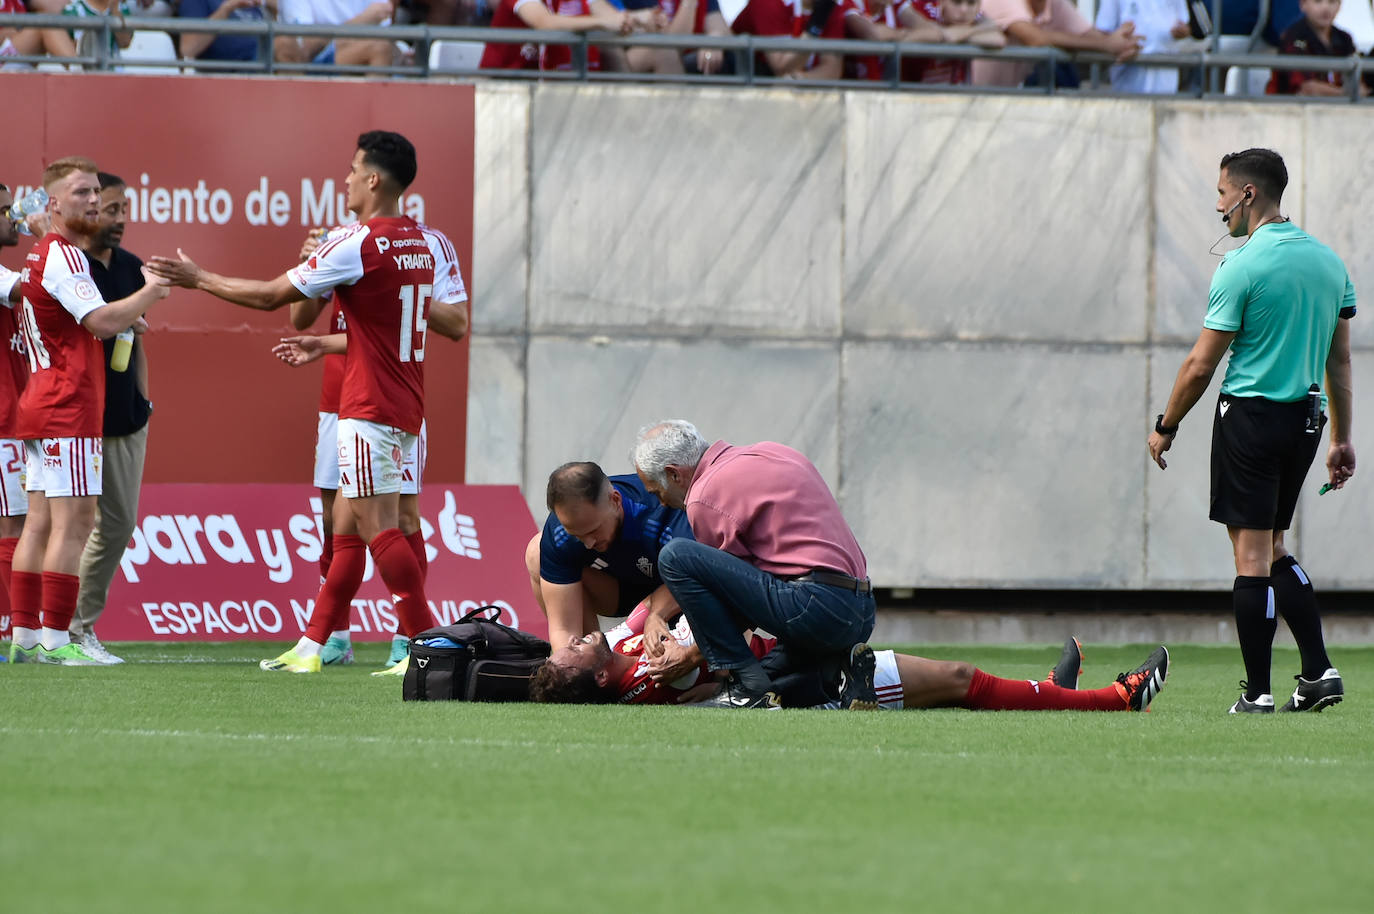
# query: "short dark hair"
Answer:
x=108 y=180
x=1263 y=168
x=391 y=153
x=3 y=188
x=554 y=684
x=580 y=480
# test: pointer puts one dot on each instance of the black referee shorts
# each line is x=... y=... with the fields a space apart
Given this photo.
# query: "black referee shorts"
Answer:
x=1261 y=453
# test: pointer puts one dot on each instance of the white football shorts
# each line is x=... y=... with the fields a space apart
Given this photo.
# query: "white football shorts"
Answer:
x=377 y=459
x=327 y=451
x=63 y=467
x=327 y=456
x=14 y=501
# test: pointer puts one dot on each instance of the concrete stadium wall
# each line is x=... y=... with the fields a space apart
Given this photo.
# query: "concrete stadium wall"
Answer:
x=966 y=310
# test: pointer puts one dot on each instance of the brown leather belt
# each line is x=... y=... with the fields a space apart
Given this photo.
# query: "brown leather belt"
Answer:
x=835 y=579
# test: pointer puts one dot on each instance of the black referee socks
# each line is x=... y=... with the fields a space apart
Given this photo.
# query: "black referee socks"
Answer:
x=1298 y=605
x=1253 y=602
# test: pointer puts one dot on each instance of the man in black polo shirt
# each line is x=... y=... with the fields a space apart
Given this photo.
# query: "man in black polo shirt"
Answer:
x=117 y=274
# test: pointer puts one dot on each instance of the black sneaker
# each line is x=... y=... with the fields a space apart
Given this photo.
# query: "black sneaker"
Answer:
x=1140 y=686
x=1316 y=694
x=1263 y=704
x=856 y=680
x=733 y=695
x=1070 y=666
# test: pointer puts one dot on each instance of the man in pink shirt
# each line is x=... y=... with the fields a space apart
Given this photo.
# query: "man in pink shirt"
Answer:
x=772 y=551
x=1037 y=23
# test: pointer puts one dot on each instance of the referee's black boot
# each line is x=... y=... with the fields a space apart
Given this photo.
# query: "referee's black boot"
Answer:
x=734 y=695
x=1263 y=704
x=1314 y=695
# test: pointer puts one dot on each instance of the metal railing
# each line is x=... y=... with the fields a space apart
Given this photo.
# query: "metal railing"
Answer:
x=1204 y=60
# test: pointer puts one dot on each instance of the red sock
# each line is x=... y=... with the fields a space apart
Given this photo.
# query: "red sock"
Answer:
x=417 y=546
x=401 y=573
x=326 y=556
x=26 y=595
x=989 y=693
x=6 y=566
x=339 y=588
x=7 y=559
x=59 y=599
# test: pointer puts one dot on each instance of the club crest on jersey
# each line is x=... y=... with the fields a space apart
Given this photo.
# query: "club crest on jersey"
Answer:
x=645 y=567
x=52 y=450
x=86 y=290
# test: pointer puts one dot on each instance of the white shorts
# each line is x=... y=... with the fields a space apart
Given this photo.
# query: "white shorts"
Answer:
x=14 y=501
x=887 y=682
x=327 y=451
x=63 y=467
x=377 y=459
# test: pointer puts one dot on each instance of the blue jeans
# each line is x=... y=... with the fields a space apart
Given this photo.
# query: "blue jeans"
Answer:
x=722 y=595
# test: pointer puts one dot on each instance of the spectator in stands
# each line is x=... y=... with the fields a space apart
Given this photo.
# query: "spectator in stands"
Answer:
x=1041 y=23
x=574 y=16
x=73 y=43
x=1158 y=23
x=670 y=17
x=18 y=41
x=884 y=20
x=793 y=18
x=1315 y=34
x=961 y=21
x=207 y=46
x=377 y=52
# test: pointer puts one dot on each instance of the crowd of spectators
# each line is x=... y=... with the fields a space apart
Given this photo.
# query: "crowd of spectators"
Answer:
x=1122 y=29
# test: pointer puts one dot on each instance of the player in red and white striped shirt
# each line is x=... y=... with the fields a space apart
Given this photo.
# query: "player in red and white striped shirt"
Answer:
x=613 y=668
x=448 y=316
x=381 y=271
x=61 y=412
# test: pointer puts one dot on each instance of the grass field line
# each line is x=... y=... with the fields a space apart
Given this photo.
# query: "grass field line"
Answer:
x=598 y=746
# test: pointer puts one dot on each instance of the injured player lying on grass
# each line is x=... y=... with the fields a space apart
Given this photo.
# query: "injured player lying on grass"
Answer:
x=614 y=668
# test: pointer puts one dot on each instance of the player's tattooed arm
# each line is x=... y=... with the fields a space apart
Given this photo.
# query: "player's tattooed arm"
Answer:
x=268 y=295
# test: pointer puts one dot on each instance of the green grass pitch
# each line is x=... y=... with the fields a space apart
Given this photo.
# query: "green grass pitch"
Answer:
x=188 y=781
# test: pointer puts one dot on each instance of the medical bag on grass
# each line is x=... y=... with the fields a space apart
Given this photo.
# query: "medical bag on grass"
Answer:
x=474 y=659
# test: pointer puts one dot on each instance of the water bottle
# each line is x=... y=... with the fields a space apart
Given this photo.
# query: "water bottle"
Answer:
x=35 y=201
x=123 y=347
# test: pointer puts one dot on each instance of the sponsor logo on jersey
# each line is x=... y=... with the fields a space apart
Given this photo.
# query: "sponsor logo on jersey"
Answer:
x=53 y=450
x=645 y=567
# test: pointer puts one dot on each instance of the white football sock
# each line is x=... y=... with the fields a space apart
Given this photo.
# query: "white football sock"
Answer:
x=53 y=638
x=346 y=635
x=27 y=638
x=307 y=648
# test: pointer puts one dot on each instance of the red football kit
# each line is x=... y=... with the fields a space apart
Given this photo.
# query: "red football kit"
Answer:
x=14 y=373
x=637 y=688
x=783 y=17
x=382 y=275
x=65 y=394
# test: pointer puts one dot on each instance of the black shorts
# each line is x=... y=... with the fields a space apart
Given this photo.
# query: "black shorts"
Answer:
x=1261 y=452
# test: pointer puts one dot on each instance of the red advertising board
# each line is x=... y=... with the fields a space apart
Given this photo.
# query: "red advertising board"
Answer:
x=240 y=562
x=235 y=171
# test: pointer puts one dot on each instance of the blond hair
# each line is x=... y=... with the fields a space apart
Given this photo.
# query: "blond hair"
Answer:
x=58 y=170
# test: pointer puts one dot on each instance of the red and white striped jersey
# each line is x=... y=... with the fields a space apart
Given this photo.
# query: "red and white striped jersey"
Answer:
x=637 y=687
x=382 y=276
x=65 y=393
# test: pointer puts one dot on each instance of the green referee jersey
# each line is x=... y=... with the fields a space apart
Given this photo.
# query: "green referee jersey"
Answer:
x=1282 y=294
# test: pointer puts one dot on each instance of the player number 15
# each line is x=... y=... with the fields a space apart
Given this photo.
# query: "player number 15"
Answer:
x=414 y=304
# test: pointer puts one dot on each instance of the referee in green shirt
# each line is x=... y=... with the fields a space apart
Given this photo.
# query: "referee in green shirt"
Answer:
x=1282 y=304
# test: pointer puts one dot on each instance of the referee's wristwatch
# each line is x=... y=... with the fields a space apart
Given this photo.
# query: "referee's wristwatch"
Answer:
x=1161 y=428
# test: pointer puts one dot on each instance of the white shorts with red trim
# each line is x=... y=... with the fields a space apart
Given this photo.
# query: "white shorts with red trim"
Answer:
x=14 y=501
x=376 y=459
x=327 y=456
x=63 y=467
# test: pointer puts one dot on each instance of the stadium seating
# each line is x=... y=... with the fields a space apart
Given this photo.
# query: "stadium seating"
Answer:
x=150 y=46
x=455 y=55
